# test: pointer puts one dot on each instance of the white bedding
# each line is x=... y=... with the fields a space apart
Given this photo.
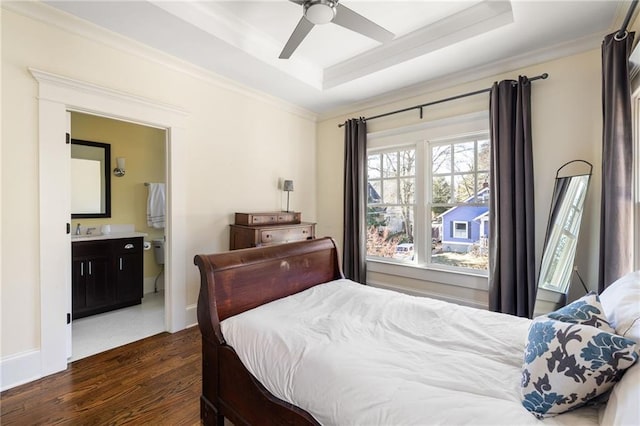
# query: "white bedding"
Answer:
x=355 y=355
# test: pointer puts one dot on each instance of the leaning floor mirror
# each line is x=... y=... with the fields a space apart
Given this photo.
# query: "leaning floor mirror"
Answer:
x=561 y=240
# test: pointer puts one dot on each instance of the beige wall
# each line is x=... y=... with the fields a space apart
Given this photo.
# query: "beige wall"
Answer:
x=567 y=117
x=143 y=148
x=239 y=144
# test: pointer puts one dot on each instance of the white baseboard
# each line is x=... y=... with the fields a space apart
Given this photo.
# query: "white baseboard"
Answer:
x=19 y=369
x=192 y=315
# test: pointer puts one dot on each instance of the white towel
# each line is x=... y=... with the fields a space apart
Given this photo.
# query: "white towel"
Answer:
x=155 y=205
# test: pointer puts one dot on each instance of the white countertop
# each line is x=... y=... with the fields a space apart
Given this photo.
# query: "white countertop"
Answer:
x=111 y=236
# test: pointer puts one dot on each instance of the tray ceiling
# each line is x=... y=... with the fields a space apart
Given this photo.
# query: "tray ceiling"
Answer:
x=437 y=43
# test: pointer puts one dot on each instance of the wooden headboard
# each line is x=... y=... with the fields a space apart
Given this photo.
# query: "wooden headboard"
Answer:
x=239 y=280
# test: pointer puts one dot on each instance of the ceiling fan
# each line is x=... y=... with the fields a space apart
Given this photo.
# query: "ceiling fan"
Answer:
x=317 y=12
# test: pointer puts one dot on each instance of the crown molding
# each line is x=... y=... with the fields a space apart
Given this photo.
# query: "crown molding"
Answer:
x=51 y=16
x=425 y=88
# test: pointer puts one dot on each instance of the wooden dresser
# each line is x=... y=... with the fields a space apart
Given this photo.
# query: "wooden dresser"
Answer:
x=259 y=229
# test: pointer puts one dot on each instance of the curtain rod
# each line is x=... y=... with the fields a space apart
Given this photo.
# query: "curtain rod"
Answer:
x=623 y=29
x=453 y=98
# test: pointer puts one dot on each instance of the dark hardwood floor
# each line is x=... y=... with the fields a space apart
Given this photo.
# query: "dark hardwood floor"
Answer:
x=153 y=381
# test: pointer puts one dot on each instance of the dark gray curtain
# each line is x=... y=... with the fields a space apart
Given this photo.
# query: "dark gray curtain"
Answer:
x=512 y=286
x=355 y=192
x=616 y=216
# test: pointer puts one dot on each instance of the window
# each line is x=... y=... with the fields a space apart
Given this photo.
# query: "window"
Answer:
x=390 y=202
x=458 y=199
x=460 y=229
x=428 y=199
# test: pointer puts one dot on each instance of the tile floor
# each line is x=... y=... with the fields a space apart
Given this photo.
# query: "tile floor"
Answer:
x=98 y=333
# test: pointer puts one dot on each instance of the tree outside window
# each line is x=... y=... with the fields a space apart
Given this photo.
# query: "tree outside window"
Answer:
x=391 y=190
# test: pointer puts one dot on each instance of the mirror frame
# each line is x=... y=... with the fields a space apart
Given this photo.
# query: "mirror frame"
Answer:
x=553 y=210
x=107 y=179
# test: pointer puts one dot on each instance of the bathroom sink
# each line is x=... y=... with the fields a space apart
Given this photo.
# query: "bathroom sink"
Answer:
x=75 y=237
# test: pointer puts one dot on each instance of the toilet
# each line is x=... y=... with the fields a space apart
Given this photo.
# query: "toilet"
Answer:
x=158 y=251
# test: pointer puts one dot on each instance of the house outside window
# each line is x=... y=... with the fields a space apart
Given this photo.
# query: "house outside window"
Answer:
x=428 y=198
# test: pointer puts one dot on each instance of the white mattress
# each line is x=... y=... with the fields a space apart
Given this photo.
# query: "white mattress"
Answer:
x=356 y=355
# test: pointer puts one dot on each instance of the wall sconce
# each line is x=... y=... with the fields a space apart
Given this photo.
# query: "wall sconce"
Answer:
x=119 y=170
x=287 y=186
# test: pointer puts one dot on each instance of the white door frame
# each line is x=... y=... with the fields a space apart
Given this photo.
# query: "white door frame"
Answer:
x=56 y=96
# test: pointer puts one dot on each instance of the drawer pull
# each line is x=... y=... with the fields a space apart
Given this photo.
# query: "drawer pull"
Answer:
x=128 y=246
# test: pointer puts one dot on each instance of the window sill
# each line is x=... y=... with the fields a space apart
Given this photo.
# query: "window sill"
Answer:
x=476 y=281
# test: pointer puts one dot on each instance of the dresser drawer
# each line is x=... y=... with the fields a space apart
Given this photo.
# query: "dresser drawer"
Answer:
x=273 y=218
x=283 y=235
x=243 y=236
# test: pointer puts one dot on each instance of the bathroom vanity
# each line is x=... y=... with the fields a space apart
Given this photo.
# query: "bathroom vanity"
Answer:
x=107 y=273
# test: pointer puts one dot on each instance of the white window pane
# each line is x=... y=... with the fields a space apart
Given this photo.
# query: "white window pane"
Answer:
x=374 y=189
x=460 y=243
x=390 y=191
x=389 y=228
x=483 y=188
x=441 y=158
x=407 y=191
x=464 y=186
x=484 y=154
x=441 y=190
x=390 y=164
x=374 y=166
x=464 y=157
x=408 y=163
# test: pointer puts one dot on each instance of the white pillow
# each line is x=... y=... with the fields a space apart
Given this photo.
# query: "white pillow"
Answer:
x=621 y=304
x=623 y=407
x=566 y=365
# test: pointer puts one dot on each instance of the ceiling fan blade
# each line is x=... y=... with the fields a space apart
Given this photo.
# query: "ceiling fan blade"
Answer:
x=300 y=2
x=353 y=21
x=301 y=31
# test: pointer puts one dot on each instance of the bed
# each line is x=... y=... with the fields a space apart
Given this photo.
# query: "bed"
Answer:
x=286 y=340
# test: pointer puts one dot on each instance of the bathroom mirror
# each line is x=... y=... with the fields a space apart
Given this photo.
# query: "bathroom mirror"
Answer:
x=90 y=179
x=565 y=216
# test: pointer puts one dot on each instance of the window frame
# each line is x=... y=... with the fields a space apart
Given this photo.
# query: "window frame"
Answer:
x=419 y=136
x=456 y=230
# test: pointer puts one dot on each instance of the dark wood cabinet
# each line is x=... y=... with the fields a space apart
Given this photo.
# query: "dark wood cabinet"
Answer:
x=129 y=269
x=91 y=281
x=106 y=275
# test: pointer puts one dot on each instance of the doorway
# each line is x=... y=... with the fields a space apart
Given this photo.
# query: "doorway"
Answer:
x=144 y=152
x=57 y=95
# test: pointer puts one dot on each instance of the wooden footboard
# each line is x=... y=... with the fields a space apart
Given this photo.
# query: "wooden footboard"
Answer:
x=236 y=281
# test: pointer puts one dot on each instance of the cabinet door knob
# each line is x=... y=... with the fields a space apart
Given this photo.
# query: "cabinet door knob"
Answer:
x=128 y=246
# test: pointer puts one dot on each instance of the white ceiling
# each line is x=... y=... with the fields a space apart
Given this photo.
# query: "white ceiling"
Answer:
x=437 y=43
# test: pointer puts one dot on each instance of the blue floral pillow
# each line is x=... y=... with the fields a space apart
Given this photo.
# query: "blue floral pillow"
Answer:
x=587 y=310
x=568 y=364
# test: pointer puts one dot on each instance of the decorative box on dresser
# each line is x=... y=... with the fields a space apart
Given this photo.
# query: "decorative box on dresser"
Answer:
x=259 y=229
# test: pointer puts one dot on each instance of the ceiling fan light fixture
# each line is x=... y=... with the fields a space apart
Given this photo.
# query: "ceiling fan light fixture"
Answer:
x=320 y=11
